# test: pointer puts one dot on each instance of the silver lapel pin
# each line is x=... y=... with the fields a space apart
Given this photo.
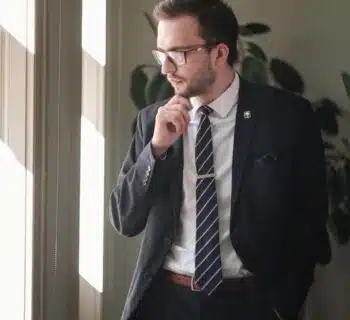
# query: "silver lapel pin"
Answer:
x=247 y=114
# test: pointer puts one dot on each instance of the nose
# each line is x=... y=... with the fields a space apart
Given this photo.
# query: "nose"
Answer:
x=167 y=67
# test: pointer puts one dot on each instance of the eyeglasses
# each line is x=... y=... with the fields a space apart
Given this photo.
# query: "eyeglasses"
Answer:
x=178 y=57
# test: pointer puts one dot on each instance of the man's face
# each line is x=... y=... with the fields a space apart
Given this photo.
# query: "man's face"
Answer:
x=194 y=77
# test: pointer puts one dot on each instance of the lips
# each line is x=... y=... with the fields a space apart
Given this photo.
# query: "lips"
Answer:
x=174 y=81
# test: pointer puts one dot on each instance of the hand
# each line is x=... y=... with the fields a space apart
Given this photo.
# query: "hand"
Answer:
x=171 y=122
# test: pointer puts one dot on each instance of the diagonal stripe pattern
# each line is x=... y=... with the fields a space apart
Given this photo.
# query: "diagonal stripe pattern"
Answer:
x=208 y=271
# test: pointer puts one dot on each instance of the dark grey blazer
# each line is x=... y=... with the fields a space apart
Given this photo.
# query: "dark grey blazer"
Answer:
x=279 y=197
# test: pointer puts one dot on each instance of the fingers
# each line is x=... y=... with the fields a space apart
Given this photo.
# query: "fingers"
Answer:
x=180 y=100
x=175 y=114
x=181 y=110
x=171 y=121
x=175 y=118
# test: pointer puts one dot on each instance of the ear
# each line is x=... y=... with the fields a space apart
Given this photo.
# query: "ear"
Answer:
x=222 y=51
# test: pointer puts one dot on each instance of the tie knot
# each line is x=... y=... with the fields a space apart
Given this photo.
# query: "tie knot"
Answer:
x=206 y=110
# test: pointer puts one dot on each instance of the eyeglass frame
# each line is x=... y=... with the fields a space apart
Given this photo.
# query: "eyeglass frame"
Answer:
x=184 y=50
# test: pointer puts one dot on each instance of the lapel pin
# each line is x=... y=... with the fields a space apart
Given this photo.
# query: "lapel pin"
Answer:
x=247 y=114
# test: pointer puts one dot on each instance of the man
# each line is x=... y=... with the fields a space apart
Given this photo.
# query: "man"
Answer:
x=226 y=180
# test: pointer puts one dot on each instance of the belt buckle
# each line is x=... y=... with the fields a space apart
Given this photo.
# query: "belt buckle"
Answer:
x=193 y=284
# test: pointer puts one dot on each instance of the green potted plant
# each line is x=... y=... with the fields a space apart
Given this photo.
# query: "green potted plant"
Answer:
x=338 y=169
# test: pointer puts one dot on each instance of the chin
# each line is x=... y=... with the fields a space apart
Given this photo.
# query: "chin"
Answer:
x=183 y=92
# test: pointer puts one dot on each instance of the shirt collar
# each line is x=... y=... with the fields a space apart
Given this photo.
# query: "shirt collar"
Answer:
x=223 y=104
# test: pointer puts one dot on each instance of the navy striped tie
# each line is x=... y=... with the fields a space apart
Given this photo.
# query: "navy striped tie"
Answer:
x=208 y=271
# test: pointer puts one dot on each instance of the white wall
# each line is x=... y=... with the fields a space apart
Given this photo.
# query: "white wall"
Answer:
x=313 y=37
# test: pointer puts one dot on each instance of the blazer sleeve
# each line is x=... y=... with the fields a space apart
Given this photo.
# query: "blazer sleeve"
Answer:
x=139 y=184
x=313 y=188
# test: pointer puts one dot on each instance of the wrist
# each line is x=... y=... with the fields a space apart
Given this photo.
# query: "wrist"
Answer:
x=158 y=152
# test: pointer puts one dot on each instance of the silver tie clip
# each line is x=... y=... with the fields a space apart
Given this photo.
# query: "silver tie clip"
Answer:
x=208 y=175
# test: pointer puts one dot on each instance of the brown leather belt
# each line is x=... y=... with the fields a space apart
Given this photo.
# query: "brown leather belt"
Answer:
x=229 y=284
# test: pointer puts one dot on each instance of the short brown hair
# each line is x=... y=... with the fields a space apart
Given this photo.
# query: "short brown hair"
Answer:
x=218 y=23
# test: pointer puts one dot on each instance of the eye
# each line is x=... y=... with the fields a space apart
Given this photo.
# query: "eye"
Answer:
x=177 y=56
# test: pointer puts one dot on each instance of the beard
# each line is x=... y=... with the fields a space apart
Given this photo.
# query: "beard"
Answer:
x=197 y=85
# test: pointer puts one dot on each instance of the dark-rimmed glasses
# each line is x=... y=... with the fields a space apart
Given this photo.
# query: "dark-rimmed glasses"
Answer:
x=178 y=56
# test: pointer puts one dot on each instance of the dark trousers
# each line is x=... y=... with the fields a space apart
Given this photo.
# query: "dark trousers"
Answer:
x=168 y=301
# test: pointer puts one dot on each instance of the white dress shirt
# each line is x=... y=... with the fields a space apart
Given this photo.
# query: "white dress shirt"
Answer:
x=181 y=258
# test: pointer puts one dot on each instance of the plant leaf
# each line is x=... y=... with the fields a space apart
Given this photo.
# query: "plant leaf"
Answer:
x=346 y=80
x=256 y=51
x=149 y=66
x=346 y=143
x=151 y=22
x=254 y=70
x=327 y=112
x=347 y=182
x=286 y=76
x=335 y=187
x=165 y=91
x=153 y=87
x=328 y=145
x=253 y=28
x=137 y=88
x=340 y=226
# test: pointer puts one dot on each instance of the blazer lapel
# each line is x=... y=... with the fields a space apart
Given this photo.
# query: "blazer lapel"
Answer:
x=247 y=114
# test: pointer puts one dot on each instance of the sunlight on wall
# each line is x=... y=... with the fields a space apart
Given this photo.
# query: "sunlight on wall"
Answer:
x=13 y=234
x=29 y=247
x=17 y=17
x=94 y=29
x=91 y=205
x=16 y=182
x=92 y=144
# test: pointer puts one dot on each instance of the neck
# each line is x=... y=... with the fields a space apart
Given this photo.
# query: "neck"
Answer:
x=223 y=81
